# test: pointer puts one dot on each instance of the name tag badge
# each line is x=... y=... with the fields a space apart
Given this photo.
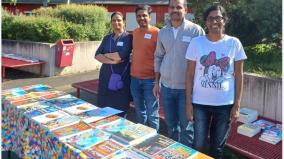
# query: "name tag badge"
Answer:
x=119 y=43
x=147 y=36
x=186 y=39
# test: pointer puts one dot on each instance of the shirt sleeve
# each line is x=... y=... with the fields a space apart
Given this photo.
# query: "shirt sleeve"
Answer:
x=191 y=52
x=101 y=49
x=240 y=53
x=124 y=53
x=159 y=54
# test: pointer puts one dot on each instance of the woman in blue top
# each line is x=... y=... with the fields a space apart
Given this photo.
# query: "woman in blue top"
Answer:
x=114 y=53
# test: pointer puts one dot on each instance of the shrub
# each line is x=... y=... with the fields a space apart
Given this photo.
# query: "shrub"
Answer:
x=79 y=22
x=93 y=18
x=265 y=59
x=40 y=29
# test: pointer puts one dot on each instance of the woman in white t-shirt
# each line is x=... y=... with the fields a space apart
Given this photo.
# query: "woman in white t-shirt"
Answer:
x=214 y=82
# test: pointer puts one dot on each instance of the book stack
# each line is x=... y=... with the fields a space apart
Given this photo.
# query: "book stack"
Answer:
x=116 y=126
x=263 y=124
x=134 y=134
x=71 y=130
x=61 y=122
x=272 y=135
x=87 y=139
x=104 y=121
x=248 y=129
x=103 y=149
x=153 y=145
x=97 y=114
x=247 y=115
x=127 y=153
x=176 y=150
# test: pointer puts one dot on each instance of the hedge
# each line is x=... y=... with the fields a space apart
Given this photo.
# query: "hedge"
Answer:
x=264 y=59
x=79 y=22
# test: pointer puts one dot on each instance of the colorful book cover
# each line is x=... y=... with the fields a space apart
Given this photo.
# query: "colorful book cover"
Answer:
x=80 y=108
x=116 y=126
x=19 y=98
x=103 y=149
x=38 y=88
x=87 y=139
x=48 y=94
x=264 y=124
x=71 y=130
x=33 y=106
x=273 y=132
x=66 y=101
x=25 y=102
x=51 y=95
x=154 y=145
x=127 y=154
x=15 y=93
x=61 y=122
x=50 y=116
x=248 y=129
x=40 y=111
x=8 y=91
x=134 y=134
x=176 y=150
x=104 y=121
x=97 y=114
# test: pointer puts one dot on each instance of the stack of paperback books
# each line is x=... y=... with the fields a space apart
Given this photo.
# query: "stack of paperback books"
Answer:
x=263 y=124
x=134 y=134
x=272 y=135
x=248 y=129
x=247 y=115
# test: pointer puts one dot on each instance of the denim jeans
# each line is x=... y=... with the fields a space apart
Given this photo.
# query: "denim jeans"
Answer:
x=219 y=116
x=173 y=101
x=146 y=104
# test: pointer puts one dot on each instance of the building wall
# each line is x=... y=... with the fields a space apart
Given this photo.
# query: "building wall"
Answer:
x=83 y=59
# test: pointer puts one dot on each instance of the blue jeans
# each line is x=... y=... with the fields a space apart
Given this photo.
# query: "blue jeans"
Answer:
x=219 y=116
x=173 y=101
x=146 y=104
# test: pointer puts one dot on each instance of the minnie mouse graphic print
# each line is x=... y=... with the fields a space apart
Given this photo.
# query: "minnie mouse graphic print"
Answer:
x=214 y=72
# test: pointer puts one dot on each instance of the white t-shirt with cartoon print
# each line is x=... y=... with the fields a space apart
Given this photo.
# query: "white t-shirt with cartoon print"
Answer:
x=214 y=72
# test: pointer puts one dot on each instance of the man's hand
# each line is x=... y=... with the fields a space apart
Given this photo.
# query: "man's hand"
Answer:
x=156 y=90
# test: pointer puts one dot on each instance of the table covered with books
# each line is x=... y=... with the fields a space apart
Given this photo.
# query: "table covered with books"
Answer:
x=40 y=122
x=256 y=137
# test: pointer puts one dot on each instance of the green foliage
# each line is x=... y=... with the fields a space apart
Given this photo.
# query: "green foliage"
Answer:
x=79 y=22
x=93 y=18
x=253 y=21
x=40 y=29
x=264 y=59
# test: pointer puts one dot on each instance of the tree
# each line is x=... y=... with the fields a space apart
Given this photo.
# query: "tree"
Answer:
x=253 y=21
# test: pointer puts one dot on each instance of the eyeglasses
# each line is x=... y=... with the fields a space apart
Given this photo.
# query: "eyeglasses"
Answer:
x=217 y=18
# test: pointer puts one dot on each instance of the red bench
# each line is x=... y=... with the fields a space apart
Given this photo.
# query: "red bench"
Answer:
x=13 y=63
x=253 y=148
x=91 y=86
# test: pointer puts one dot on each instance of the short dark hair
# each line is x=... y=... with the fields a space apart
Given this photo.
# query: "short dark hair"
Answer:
x=215 y=7
x=144 y=7
x=184 y=3
x=116 y=13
